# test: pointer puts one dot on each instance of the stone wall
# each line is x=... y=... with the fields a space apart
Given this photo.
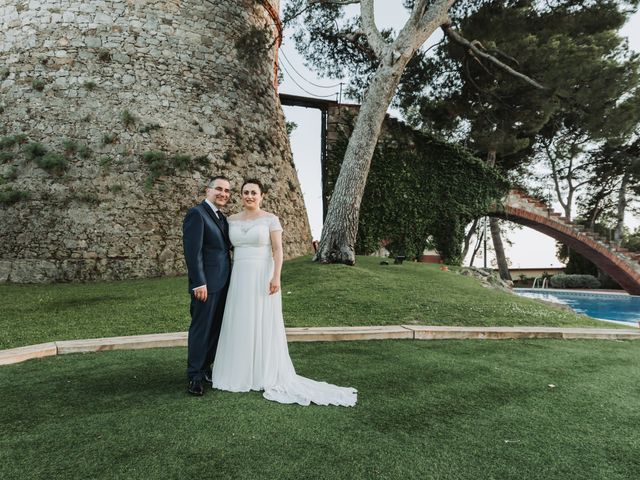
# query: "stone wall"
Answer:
x=101 y=83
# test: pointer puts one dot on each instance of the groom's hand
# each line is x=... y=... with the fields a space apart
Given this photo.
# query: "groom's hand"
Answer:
x=200 y=293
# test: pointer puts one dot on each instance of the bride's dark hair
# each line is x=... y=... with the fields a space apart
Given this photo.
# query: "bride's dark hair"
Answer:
x=254 y=181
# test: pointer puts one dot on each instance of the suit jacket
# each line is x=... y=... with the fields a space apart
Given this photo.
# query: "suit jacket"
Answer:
x=206 y=248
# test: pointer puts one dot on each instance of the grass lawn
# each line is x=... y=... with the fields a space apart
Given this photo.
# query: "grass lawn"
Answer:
x=313 y=295
x=426 y=410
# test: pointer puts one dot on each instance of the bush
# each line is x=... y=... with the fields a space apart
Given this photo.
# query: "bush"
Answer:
x=84 y=151
x=128 y=118
x=104 y=55
x=11 y=140
x=38 y=84
x=108 y=138
x=9 y=176
x=574 y=281
x=34 y=150
x=70 y=147
x=149 y=127
x=53 y=163
x=181 y=162
x=10 y=196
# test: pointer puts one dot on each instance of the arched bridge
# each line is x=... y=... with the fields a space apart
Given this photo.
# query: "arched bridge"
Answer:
x=619 y=263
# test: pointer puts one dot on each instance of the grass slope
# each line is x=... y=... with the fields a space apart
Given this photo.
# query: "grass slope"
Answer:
x=313 y=295
x=437 y=410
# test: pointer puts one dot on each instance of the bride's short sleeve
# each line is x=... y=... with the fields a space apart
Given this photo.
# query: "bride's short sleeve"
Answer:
x=274 y=224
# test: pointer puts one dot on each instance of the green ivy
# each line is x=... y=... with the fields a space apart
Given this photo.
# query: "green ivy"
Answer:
x=419 y=188
x=11 y=196
x=252 y=45
x=160 y=164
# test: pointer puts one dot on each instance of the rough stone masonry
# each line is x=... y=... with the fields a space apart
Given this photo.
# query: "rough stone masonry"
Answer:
x=113 y=115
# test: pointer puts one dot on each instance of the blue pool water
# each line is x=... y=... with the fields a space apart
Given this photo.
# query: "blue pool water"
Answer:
x=604 y=306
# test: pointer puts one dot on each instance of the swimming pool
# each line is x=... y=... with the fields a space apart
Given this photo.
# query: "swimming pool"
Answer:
x=603 y=306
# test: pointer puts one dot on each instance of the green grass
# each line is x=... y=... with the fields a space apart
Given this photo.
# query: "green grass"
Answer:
x=412 y=293
x=313 y=295
x=426 y=410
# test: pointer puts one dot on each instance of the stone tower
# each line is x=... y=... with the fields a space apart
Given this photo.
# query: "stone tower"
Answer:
x=113 y=116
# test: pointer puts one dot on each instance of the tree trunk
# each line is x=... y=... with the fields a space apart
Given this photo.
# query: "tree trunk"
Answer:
x=622 y=205
x=503 y=266
x=476 y=249
x=496 y=238
x=467 y=238
x=341 y=223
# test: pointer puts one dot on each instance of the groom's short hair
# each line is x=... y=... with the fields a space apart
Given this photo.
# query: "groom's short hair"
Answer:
x=217 y=177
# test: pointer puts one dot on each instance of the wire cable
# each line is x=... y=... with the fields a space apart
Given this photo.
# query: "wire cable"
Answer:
x=335 y=94
x=303 y=77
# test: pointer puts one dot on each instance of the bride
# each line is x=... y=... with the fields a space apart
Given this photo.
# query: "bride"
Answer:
x=252 y=351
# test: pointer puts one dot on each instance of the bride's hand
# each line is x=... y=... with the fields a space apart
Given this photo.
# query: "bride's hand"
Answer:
x=274 y=286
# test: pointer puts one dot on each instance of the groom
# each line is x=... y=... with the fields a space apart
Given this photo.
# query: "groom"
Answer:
x=206 y=251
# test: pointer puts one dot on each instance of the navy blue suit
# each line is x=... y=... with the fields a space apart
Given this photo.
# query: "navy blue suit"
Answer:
x=206 y=250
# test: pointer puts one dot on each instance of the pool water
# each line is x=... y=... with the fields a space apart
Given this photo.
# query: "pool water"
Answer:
x=603 y=306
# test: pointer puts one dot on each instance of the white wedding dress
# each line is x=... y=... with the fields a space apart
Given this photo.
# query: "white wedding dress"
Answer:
x=252 y=352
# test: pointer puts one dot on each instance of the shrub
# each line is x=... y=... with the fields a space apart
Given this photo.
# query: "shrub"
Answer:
x=574 y=281
x=6 y=157
x=157 y=162
x=252 y=44
x=202 y=161
x=109 y=138
x=11 y=196
x=90 y=85
x=11 y=140
x=162 y=164
x=105 y=162
x=149 y=127
x=128 y=118
x=87 y=197
x=4 y=73
x=181 y=162
x=70 y=147
x=34 y=150
x=9 y=176
x=38 y=84
x=84 y=151
x=53 y=163
x=104 y=55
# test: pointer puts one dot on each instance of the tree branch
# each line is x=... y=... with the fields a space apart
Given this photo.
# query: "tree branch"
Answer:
x=424 y=20
x=472 y=46
x=374 y=37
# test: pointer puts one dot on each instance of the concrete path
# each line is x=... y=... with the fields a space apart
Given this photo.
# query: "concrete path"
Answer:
x=320 y=334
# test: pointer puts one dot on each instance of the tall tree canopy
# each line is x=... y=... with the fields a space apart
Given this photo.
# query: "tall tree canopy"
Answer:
x=331 y=39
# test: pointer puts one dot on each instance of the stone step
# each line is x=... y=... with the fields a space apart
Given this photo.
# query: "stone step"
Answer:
x=321 y=334
x=21 y=354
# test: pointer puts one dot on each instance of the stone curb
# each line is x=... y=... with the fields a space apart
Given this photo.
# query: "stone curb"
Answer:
x=320 y=334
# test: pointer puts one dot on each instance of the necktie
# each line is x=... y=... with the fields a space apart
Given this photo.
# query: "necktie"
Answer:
x=223 y=219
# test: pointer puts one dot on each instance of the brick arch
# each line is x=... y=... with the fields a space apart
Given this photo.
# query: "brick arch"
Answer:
x=620 y=264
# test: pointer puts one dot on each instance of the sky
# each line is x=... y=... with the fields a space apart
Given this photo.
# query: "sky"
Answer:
x=528 y=249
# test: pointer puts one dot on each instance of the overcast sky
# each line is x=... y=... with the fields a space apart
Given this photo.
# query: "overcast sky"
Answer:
x=530 y=248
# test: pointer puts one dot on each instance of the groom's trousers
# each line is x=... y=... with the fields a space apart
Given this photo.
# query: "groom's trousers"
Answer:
x=204 y=332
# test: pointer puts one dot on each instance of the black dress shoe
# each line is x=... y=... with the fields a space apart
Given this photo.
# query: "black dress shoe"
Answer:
x=208 y=376
x=195 y=388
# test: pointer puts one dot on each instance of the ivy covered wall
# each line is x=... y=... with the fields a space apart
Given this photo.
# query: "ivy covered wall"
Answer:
x=421 y=191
